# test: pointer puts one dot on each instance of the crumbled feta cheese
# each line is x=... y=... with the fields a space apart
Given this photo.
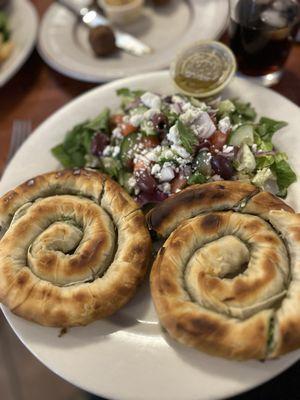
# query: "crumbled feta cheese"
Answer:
x=191 y=114
x=165 y=187
x=204 y=127
x=153 y=154
x=141 y=158
x=131 y=182
x=166 y=174
x=116 y=133
x=136 y=119
x=224 y=124
x=227 y=149
x=177 y=99
x=181 y=151
x=107 y=151
x=155 y=169
x=116 y=151
x=262 y=176
x=151 y=100
x=173 y=135
x=199 y=121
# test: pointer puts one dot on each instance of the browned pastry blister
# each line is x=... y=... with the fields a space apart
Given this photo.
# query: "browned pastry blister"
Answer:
x=74 y=248
x=227 y=279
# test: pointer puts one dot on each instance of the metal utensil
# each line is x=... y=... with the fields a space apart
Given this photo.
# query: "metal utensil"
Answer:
x=93 y=18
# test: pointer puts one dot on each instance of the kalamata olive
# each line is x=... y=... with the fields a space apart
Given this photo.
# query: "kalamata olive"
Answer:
x=161 y=123
x=99 y=142
x=156 y=197
x=222 y=166
x=145 y=180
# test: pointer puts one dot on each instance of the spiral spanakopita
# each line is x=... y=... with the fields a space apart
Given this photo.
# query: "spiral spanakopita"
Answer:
x=227 y=279
x=74 y=248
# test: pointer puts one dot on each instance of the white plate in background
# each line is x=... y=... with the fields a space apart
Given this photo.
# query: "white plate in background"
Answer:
x=23 y=23
x=126 y=357
x=63 y=42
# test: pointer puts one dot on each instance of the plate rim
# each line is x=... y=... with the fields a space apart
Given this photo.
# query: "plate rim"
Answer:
x=91 y=78
x=27 y=50
x=56 y=115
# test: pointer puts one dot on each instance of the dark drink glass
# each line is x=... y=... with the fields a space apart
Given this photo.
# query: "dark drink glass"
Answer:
x=261 y=34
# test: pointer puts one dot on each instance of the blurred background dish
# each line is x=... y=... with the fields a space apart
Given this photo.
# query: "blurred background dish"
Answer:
x=23 y=21
x=63 y=42
x=122 y=11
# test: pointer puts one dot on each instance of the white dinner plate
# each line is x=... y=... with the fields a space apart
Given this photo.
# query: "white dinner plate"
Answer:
x=127 y=357
x=63 y=42
x=23 y=22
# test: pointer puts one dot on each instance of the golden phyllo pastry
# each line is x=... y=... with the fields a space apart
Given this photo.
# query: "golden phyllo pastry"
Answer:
x=226 y=281
x=74 y=248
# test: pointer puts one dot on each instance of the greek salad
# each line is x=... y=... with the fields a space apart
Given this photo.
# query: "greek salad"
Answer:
x=155 y=145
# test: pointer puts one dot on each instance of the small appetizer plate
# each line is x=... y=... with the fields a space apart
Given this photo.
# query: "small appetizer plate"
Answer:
x=23 y=23
x=63 y=42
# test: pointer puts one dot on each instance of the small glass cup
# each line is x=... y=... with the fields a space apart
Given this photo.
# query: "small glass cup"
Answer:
x=261 y=33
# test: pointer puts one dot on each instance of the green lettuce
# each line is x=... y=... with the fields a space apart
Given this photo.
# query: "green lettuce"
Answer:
x=284 y=174
x=266 y=127
x=197 y=177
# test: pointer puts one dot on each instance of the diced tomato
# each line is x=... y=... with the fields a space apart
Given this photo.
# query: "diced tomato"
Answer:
x=117 y=119
x=218 y=139
x=127 y=129
x=150 y=141
x=178 y=183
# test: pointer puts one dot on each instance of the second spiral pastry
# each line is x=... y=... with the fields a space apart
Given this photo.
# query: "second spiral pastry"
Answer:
x=226 y=281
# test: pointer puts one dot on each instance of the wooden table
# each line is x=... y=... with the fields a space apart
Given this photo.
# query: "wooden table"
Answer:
x=37 y=91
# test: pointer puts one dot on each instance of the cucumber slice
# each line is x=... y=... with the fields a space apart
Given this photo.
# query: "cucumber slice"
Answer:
x=244 y=134
x=127 y=149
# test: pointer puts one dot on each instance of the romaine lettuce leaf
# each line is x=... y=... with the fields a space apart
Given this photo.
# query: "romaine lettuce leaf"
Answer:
x=285 y=176
x=266 y=127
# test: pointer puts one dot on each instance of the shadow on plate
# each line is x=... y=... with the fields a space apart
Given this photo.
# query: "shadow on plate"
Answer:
x=244 y=371
x=132 y=318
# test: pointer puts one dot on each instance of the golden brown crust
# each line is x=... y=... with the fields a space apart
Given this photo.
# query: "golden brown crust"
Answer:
x=221 y=281
x=263 y=202
x=198 y=327
x=65 y=259
x=194 y=200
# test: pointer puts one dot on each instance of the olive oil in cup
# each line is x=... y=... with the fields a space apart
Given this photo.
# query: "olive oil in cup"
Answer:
x=203 y=69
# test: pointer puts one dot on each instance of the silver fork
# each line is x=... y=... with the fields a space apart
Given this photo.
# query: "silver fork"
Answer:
x=20 y=132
